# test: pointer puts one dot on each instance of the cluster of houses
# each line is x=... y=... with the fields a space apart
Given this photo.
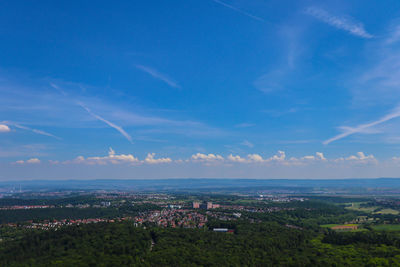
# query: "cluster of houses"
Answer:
x=25 y=207
x=55 y=224
x=172 y=218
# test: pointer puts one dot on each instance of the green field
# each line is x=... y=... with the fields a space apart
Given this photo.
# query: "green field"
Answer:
x=349 y=224
x=387 y=227
x=356 y=206
x=387 y=211
x=328 y=225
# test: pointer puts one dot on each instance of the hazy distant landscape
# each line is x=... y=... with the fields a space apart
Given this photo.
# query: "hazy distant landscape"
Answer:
x=377 y=186
x=211 y=222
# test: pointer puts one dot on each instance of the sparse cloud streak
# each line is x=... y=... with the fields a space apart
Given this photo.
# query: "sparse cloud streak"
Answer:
x=36 y=131
x=363 y=128
x=247 y=143
x=239 y=10
x=244 y=125
x=343 y=23
x=55 y=86
x=116 y=127
x=158 y=75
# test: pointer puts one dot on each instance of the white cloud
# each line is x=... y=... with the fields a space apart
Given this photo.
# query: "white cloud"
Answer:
x=279 y=159
x=280 y=156
x=116 y=127
x=4 y=128
x=112 y=158
x=343 y=23
x=255 y=158
x=33 y=161
x=396 y=159
x=151 y=160
x=206 y=157
x=159 y=76
x=29 y=161
x=251 y=158
x=236 y=158
x=360 y=157
x=318 y=156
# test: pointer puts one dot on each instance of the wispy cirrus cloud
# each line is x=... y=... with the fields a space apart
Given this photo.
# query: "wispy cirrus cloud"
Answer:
x=271 y=82
x=378 y=82
x=55 y=86
x=244 y=125
x=343 y=23
x=36 y=131
x=113 y=125
x=239 y=10
x=281 y=75
x=375 y=86
x=51 y=108
x=247 y=143
x=158 y=75
x=364 y=128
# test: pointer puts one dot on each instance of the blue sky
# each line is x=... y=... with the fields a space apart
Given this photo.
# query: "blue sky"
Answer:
x=211 y=88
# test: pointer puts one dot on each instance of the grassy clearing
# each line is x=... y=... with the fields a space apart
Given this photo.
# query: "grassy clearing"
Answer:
x=387 y=227
x=245 y=201
x=347 y=230
x=356 y=206
x=329 y=225
x=387 y=211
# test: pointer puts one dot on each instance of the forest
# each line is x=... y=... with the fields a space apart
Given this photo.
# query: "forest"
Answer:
x=262 y=244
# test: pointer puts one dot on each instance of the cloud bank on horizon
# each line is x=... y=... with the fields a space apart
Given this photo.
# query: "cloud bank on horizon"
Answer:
x=308 y=90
